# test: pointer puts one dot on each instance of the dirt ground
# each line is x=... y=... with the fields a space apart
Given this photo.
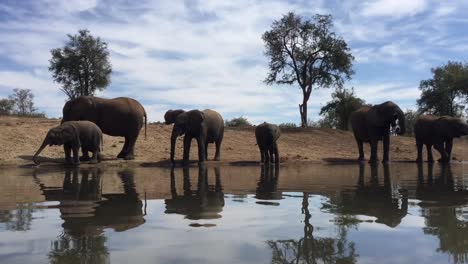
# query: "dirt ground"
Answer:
x=21 y=137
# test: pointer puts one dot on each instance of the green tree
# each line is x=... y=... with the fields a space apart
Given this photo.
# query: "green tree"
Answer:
x=82 y=66
x=6 y=106
x=308 y=53
x=441 y=95
x=238 y=122
x=336 y=112
x=23 y=100
x=410 y=119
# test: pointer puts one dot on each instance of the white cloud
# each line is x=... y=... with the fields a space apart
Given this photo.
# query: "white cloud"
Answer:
x=393 y=7
x=202 y=54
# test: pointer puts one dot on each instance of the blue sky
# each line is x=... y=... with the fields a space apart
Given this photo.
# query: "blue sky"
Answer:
x=209 y=54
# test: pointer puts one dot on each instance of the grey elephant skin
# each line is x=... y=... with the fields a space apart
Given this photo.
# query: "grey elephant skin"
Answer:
x=267 y=135
x=121 y=117
x=74 y=135
x=205 y=126
x=372 y=123
x=171 y=115
x=438 y=131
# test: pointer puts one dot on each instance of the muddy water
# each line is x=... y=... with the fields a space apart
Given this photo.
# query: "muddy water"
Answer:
x=399 y=213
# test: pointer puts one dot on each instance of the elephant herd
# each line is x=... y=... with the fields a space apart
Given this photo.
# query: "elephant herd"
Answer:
x=86 y=118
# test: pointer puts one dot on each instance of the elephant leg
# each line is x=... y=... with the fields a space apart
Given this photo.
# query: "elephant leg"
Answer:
x=217 y=156
x=201 y=149
x=266 y=152
x=275 y=149
x=430 y=158
x=206 y=151
x=419 y=146
x=85 y=156
x=448 y=148
x=386 y=148
x=187 y=143
x=440 y=148
x=67 y=150
x=122 y=153
x=129 y=155
x=373 y=156
x=271 y=151
x=361 y=149
x=76 y=154
x=95 y=158
x=262 y=153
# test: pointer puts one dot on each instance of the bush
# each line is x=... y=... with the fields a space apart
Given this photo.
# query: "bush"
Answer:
x=288 y=125
x=238 y=122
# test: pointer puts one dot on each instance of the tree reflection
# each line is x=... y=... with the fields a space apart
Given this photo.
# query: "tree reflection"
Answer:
x=310 y=249
x=206 y=202
x=443 y=208
x=19 y=219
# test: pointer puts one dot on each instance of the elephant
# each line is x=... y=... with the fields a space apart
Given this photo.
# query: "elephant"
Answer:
x=439 y=132
x=73 y=135
x=267 y=135
x=171 y=115
x=121 y=117
x=205 y=126
x=372 y=123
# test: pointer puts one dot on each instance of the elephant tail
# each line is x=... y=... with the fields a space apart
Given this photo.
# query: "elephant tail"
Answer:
x=102 y=143
x=146 y=120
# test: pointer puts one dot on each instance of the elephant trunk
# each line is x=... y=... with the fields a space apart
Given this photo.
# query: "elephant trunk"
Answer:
x=401 y=122
x=173 y=143
x=44 y=144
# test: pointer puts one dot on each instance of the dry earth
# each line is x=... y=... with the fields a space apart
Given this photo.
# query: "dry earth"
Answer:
x=20 y=138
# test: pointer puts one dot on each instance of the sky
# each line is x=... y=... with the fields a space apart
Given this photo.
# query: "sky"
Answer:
x=198 y=54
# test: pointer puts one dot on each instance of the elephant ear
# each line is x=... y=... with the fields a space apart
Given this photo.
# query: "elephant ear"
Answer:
x=69 y=133
x=375 y=117
x=196 y=117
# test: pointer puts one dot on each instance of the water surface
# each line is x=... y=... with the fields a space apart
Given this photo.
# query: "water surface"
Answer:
x=401 y=213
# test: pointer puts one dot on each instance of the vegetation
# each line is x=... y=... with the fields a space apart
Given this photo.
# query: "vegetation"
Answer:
x=6 y=106
x=287 y=125
x=308 y=53
x=238 y=122
x=336 y=112
x=443 y=93
x=410 y=119
x=21 y=103
x=82 y=66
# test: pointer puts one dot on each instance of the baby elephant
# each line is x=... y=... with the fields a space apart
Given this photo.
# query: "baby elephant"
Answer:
x=438 y=132
x=267 y=135
x=73 y=135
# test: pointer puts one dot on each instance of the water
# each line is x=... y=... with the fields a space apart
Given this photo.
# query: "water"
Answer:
x=352 y=213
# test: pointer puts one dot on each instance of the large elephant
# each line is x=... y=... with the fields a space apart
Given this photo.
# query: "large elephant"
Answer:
x=372 y=123
x=267 y=135
x=122 y=117
x=73 y=135
x=439 y=132
x=205 y=126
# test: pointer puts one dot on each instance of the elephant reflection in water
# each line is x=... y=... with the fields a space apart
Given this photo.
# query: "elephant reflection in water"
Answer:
x=86 y=212
x=206 y=202
x=444 y=207
x=383 y=202
x=268 y=185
